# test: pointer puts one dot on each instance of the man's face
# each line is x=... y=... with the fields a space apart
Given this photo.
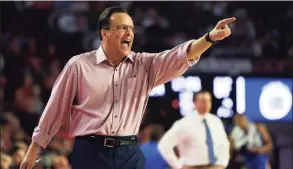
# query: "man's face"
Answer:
x=203 y=102
x=241 y=121
x=119 y=37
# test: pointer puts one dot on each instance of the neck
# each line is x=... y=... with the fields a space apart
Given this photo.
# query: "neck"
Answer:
x=113 y=57
x=202 y=113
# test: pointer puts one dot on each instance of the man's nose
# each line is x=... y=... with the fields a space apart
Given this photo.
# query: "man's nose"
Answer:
x=129 y=31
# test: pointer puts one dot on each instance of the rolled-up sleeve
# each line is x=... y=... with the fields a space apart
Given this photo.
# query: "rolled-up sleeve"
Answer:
x=169 y=64
x=58 y=108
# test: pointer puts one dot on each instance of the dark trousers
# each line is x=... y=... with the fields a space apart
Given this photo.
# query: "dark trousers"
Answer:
x=91 y=155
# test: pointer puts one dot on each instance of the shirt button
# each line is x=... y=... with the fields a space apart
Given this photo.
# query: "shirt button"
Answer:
x=113 y=132
x=116 y=69
x=116 y=101
x=115 y=116
x=116 y=84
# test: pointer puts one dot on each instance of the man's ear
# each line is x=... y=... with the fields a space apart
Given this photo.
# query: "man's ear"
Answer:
x=103 y=33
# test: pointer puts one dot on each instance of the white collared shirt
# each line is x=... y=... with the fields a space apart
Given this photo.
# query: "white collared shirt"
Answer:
x=189 y=135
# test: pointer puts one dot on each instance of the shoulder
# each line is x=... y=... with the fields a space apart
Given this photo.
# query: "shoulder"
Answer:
x=187 y=120
x=140 y=56
x=81 y=58
x=215 y=118
x=178 y=123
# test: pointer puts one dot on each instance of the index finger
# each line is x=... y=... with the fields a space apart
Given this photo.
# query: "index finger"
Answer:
x=226 y=21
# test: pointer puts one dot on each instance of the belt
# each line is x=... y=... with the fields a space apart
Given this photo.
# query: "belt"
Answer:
x=198 y=167
x=110 y=141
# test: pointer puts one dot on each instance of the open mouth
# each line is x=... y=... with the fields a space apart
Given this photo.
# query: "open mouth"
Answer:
x=126 y=43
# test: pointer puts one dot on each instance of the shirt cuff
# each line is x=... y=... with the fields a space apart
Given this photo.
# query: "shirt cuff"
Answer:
x=178 y=165
x=41 y=137
x=184 y=49
x=222 y=162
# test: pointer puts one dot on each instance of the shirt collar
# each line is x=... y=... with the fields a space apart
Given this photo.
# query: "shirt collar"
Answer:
x=202 y=116
x=101 y=56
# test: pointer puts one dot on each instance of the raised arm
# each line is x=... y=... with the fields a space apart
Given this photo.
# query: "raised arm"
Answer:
x=220 y=32
x=170 y=64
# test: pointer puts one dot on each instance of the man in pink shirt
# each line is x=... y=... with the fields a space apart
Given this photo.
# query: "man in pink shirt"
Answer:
x=101 y=95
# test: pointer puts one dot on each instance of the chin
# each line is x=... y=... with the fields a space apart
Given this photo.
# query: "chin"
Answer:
x=125 y=53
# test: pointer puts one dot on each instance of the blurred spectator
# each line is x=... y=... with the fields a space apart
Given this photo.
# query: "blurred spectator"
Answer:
x=252 y=141
x=6 y=143
x=25 y=97
x=10 y=124
x=61 y=162
x=244 y=27
x=15 y=65
x=17 y=156
x=21 y=145
x=153 y=18
x=50 y=78
x=6 y=161
x=152 y=134
x=3 y=82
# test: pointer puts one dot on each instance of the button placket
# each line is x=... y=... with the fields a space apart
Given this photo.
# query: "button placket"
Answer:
x=116 y=98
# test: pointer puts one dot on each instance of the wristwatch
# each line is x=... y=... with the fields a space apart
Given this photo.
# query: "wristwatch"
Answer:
x=207 y=37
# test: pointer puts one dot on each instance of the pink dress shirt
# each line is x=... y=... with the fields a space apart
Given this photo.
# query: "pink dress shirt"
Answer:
x=92 y=97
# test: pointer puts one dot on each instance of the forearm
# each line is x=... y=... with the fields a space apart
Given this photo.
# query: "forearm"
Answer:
x=169 y=155
x=166 y=147
x=197 y=48
x=217 y=167
x=266 y=148
x=34 y=148
x=224 y=156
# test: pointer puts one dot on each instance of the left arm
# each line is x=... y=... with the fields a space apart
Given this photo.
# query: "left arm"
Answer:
x=268 y=144
x=169 y=64
x=223 y=148
x=199 y=46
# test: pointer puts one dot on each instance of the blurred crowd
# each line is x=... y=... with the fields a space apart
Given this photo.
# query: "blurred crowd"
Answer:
x=38 y=38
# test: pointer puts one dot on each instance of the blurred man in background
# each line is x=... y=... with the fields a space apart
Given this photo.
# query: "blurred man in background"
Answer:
x=253 y=141
x=200 y=138
x=152 y=134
